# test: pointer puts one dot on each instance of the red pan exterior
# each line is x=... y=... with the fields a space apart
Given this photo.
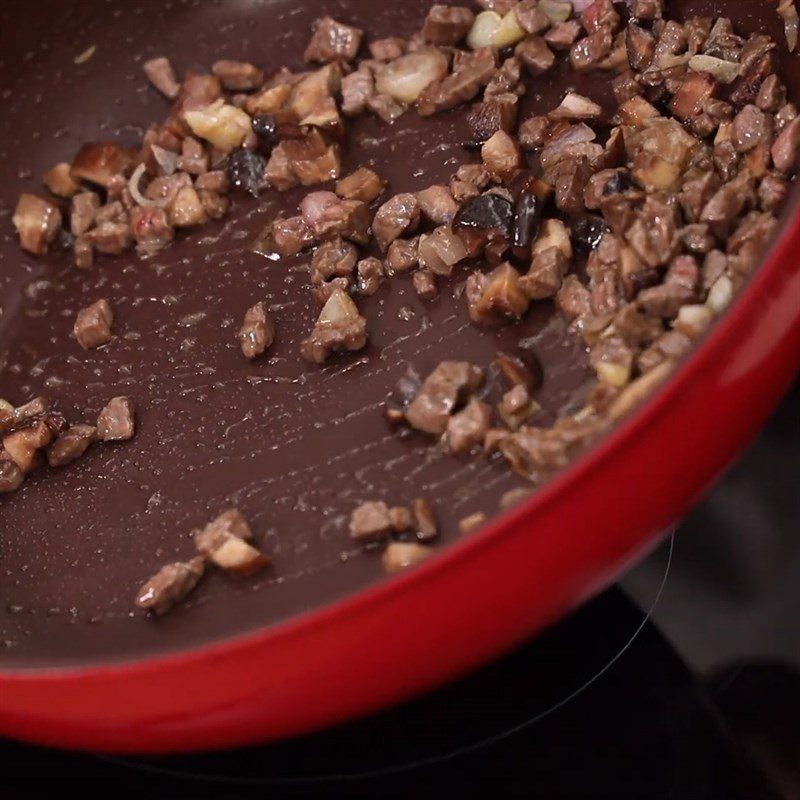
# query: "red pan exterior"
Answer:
x=471 y=603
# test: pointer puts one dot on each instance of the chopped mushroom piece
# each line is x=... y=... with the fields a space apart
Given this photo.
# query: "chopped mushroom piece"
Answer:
x=257 y=332
x=11 y=476
x=171 y=584
x=93 y=325
x=117 y=420
x=37 y=221
x=100 y=162
x=472 y=522
x=399 y=556
x=225 y=541
x=60 y=182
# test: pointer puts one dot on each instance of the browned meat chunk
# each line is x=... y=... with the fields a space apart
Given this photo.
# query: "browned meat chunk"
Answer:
x=11 y=476
x=357 y=88
x=70 y=445
x=160 y=73
x=516 y=407
x=442 y=391
x=786 y=147
x=151 y=229
x=447 y=25
x=588 y=52
x=37 y=221
x=339 y=327
x=238 y=76
x=467 y=428
x=84 y=209
x=387 y=49
x=364 y=184
x=171 y=584
x=462 y=85
x=751 y=127
x=402 y=255
x=573 y=298
x=226 y=542
x=545 y=277
x=535 y=55
x=437 y=204
x=333 y=41
x=530 y=17
x=116 y=422
x=257 y=332
x=335 y=258
x=370 y=276
x=425 y=286
x=371 y=522
x=291 y=236
x=22 y=446
x=600 y=14
x=399 y=215
x=93 y=325
x=496 y=295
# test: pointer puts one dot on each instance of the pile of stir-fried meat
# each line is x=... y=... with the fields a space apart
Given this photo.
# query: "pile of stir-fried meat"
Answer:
x=639 y=222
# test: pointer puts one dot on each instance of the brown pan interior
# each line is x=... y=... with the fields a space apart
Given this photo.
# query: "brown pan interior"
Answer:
x=295 y=447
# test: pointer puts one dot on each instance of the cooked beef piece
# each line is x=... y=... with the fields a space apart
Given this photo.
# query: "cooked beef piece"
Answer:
x=563 y=35
x=534 y=53
x=670 y=346
x=291 y=236
x=679 y=288
x=600 y=14
x=385 y=107
x=387 y=49
x=786 y=147
x=370 y=276
x=506 y=80
x=332 y=41
x=447 y=25
x=402 y=255
x=70 y=445
x=424 y=519
x=364 y=184
x=440 y=394
x=546 y=274
x=93 y=325
x=117 y=420
x=85 y=206
x=332 y=259
x=641 y=46
x=339 y=327
x=329 y=216
x=516 y=407
x=357 y=88
x=160 y=73
x=573 y=298
x=533 y=132
x=425 y=285
x=530 y=17
x=194 y=159
x=399 y=215
x=588 y=52
x=460 y=86
x=11 y=476
x=496 y=113
x=751 y=127
x=772 y=193
x=170 y=585
x=151 y=229
x=226 y=542
x=238 y=76
x=467 y=428
x=437 y=204
x=22 y=446
x=257 y=332
x=401 y=519
x=84 y=253
x=371 y=522
x=400 y=556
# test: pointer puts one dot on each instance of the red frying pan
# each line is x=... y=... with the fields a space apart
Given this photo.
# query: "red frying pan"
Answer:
x=322 y=638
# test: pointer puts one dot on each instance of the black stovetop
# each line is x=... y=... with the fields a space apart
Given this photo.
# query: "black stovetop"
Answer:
x=699 y=700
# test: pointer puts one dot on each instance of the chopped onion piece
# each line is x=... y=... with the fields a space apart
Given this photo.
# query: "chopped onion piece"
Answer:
x=483 y=30
x=723 y=71
x=407 y=77
x=166 y=159
x=138 y=197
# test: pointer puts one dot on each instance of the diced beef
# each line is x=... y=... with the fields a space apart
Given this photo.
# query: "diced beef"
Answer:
x=93 y=325
x=402 y=255
x=85 y=206
x=546 y=275
x=399 y=215
x=467 y=428
x=424 y=281
x=257 y=332
x=170 y=585
x=786 y=147
x=117 y=420
x=573 y=298
x=387 y=49
x=447 y=25
x=534 y=53
x=70 y=445
x=588 y=52
x=238 y=76
x=151 y=228
x=563 y=35
x=499 y=112
x=37 y=221
x=530 y=17
x=364 y=184
x=460 y=86
x=22 y=446
x=357 y=88
x=370 y=276
x=371 y=522
x=441 y=392
x=160 y=73
x=437 y=204
x=333 y=41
